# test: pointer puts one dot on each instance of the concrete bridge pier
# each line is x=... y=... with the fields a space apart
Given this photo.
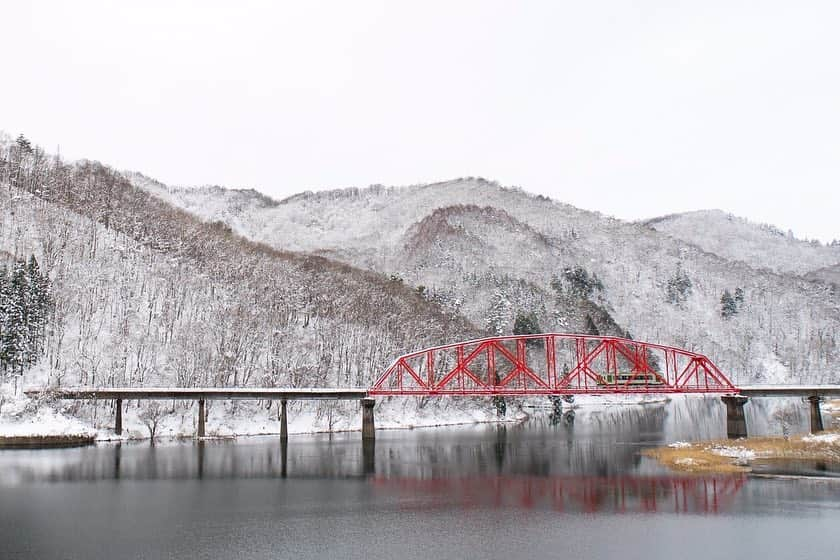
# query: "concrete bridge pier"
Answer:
x=816 y=414
x=736 y=421
x=118 y=421
x=368 y=427
x=202 y=417
x=284 y=425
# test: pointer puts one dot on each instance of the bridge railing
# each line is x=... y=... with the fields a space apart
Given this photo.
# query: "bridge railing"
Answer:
x=551 y=364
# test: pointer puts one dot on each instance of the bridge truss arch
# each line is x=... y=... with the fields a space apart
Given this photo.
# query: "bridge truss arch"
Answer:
x=551 y=364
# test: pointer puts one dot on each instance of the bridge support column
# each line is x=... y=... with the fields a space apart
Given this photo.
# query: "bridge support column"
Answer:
x=118 y=421
x=284 y=426
x=816 y=414
x=202 y=417
x=368 y=427
x=736 y=422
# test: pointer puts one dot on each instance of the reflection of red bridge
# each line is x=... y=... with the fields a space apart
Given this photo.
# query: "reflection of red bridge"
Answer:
x=551 y=364
x=669 y=494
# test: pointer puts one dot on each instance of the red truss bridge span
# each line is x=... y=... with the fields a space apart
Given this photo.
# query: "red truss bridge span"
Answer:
x=551 y=364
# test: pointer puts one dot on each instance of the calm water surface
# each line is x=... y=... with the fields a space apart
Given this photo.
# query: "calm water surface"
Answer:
x=550 y=488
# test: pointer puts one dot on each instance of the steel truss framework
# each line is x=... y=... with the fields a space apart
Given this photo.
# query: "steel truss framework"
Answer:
x=551 y=364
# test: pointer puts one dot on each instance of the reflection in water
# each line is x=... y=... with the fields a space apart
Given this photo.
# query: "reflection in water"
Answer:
x=623 y=494
x=563 y=460
x=491 y=491
x=369 y=456
x=553 y=461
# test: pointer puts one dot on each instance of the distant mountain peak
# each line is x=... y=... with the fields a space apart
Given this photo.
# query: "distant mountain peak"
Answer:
x=736 y=238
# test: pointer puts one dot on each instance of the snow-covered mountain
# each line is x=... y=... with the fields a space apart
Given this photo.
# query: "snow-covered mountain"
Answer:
x=161 y=285
x=489 y=252
x=737 y=239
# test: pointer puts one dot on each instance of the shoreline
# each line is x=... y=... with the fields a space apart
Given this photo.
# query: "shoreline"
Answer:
x=743 y=455
x=83 y=439
x=46 y=441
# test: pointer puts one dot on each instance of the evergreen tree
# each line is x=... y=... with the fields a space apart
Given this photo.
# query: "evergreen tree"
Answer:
x=25 y=304
x=497 y=315
x=728 y=305
x=678 y=288
x=526 y=323
x=23 y=144
x=39 y=303
x=581 y=284
x=5 y=309
x=591 y=327
x=17 y=319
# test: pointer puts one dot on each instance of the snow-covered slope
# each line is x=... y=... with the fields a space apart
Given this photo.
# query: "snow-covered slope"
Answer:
x=490 y=252
x=734 y=238
x=829 y=274
x=223 y=204
x=146 y=294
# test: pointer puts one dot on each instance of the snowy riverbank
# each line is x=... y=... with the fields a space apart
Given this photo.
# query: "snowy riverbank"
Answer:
x=21 y=416
x=741 y=455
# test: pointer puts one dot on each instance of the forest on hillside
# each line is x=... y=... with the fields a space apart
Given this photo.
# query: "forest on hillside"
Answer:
x=143 y=293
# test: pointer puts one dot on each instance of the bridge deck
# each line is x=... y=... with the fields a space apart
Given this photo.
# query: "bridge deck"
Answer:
x=318 y=393
x=238 y=393
x=789 y=390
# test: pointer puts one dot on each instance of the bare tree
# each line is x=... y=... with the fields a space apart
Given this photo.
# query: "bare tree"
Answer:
x=150 y=416
x=785 y=416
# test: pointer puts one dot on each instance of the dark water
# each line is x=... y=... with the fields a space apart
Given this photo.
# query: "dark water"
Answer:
x=574 y=488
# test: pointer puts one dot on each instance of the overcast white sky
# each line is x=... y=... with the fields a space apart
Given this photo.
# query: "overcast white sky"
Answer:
x=632 y=108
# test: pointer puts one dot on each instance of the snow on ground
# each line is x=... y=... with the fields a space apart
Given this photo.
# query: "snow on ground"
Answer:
x=830 y=406
x=738 y=453
x=832 y=438
x=20 y=417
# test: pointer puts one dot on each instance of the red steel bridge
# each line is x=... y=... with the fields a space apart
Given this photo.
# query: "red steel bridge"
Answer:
x=551 y=364
x=533 y=364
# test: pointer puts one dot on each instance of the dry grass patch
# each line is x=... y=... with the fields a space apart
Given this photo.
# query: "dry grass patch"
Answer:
x=694 y=458
x=735 y=455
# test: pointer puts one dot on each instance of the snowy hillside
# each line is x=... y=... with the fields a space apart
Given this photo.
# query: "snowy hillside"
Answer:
x=146 y=294
x=490 y=252
x=829 y=274
x=223 y=203
x=734 y=238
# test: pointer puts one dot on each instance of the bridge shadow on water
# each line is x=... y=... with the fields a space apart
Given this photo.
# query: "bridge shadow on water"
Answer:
x=572 y=462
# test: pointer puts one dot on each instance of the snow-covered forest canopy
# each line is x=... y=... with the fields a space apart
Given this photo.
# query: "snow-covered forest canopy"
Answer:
x=159 y=285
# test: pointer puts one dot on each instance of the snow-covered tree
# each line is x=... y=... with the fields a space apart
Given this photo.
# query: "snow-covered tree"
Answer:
x=25 y=304
x=679 y=287
x=728 y=305
x=498 y=315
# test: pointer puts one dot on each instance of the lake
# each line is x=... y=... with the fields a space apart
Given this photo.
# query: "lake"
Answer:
x=571 y=486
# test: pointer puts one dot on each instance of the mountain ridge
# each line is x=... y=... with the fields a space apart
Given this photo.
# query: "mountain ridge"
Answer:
x=471 y=259
x=737 y=238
